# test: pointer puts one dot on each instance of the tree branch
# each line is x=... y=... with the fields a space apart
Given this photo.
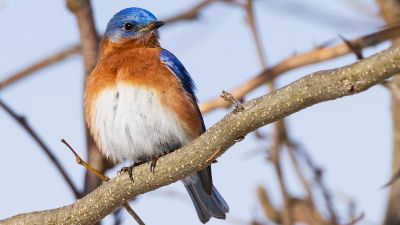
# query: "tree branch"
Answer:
x=104 y=178
x=89 y=40
x=307 y=58
x=44 y=63
x=312 y=89
x=390 y=12
x=25 y=125
x=190 y=14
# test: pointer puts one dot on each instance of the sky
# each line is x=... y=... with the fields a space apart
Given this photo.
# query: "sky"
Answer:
x=350 y=138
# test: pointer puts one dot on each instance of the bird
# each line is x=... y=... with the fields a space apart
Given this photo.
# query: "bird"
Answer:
x=140 y=103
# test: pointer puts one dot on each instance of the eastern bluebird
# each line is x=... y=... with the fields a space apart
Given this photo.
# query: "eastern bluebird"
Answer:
x=140 y=103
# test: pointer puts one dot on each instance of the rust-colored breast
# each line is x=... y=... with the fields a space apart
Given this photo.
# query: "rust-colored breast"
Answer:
x=141 y=67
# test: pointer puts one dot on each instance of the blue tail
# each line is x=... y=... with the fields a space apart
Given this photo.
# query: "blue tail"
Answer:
x=206 y=206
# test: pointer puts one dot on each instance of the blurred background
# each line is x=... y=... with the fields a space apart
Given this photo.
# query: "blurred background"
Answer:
x=343 y=148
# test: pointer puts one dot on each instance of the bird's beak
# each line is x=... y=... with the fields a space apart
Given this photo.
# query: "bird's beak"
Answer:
x=152 y=26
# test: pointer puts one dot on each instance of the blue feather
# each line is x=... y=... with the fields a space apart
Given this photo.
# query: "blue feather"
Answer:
x=179 y=71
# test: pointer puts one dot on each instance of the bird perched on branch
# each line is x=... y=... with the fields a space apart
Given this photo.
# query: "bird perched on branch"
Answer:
x=140 y=103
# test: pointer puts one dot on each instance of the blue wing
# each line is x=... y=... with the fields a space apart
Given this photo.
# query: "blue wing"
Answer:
x=182 y=74
x=179 y=71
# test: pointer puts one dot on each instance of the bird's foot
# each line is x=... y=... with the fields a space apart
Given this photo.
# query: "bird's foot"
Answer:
x=129 y=169
x=154 y=161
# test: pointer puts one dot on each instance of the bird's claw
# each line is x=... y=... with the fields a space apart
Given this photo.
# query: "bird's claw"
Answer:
x=154 y=163
x=129 y=169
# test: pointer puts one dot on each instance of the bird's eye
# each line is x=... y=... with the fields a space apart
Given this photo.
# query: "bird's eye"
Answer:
x=128 y=26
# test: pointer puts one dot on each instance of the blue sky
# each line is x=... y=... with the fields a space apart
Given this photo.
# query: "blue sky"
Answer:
x=349 y=138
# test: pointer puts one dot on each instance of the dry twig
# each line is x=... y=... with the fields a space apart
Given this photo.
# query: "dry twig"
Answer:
x=307 y=58
x=57 y=57
x=81 y=162
x=190 y=14
x=315 y=88
x=25 y=125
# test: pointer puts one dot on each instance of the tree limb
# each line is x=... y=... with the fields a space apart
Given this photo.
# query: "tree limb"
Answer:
x=25 y=125
x=190 y=14
x=315 y=88
x=307 y=58
x=390 y=12
x=44 y=63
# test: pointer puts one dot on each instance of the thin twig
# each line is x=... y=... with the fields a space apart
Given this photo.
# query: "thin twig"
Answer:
x=190 y=14
x=307 y=58
x=353 y=47
x=318 y=177
x=279 y=127
x=356 y=220
x=89 y=41
x=270 y=212
x=276 y=160
x=251 y=22
x=229 y=98
x=194 y=12
x=253 y=27
x=25 y=125
x=393 y=179
x=84 y=164
x=44 y=63
x=299 y=172
x=312 y=89
x=103 y=178
x=134 y=215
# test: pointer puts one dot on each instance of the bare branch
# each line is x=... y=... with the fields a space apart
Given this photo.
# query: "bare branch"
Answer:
x=355 y=49
x=251 y=21
x=390 y=12
x=313 y=56
x=57 y=57
x=299 y=172
x=190 y=14
x=24 y=124
x=81 y=162
x=315 y=88
x=89 y=40
x=103 y=178
x=318 y=177
x=269 y=210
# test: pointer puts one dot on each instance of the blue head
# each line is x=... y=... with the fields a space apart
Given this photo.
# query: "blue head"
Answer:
x=131 y=23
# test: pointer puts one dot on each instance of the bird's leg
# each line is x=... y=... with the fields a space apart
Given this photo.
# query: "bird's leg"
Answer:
x=129 y=169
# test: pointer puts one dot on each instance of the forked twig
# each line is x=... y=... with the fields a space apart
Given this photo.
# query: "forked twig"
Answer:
x=230 y=98
x=84 y=164
x=81 y=162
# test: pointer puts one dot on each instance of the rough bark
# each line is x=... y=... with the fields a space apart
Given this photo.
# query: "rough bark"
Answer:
x=390 y=12
x=89 y=40
x=309 y=90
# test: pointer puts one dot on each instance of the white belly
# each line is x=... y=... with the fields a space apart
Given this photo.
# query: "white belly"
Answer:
x=130 y=124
